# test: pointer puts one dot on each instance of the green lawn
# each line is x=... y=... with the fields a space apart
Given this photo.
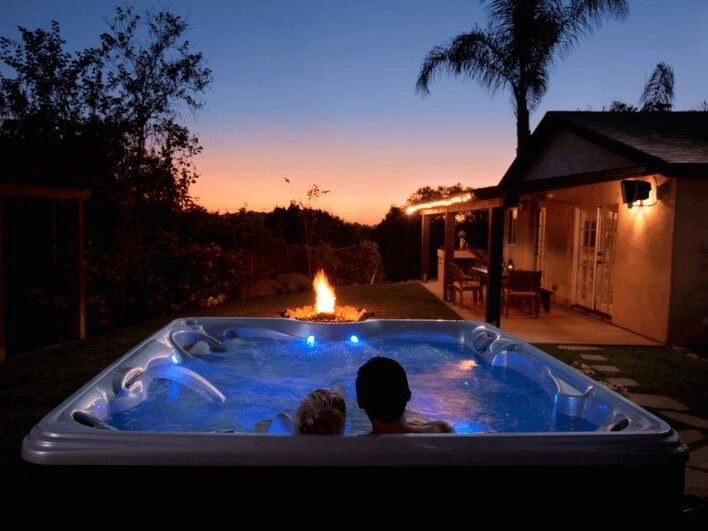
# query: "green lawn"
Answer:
x=33 y=384
x=658 y=370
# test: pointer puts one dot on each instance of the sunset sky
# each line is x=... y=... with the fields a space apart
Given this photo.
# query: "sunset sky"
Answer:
x=322 y=91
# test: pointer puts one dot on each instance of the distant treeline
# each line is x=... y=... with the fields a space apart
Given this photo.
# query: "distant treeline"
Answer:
x=107 y=119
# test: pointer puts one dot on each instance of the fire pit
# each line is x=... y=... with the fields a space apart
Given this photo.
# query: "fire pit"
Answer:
x=325 y=308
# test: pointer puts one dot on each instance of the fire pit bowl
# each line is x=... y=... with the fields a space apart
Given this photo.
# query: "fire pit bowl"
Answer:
x=325 y=308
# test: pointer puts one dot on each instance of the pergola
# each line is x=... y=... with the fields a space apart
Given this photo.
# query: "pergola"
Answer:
x=55 y=195
x=494 y=201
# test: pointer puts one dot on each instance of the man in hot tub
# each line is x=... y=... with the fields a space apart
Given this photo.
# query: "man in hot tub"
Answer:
x=382 y=392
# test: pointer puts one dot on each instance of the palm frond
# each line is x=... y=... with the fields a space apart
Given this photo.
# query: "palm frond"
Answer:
x=435 y=60
x=474 y=54
x=658 y=92
x=581 y=17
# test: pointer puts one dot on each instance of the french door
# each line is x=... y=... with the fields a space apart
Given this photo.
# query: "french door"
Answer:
x=597 y=244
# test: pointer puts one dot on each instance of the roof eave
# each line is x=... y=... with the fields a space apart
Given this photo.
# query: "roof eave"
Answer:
x=555 y=120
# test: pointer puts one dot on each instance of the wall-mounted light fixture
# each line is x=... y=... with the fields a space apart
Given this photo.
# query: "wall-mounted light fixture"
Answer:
x=510 y=265
x=634 y=190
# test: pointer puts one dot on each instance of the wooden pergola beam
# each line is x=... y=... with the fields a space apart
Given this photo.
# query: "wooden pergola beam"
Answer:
x=475 y=204
x=3 y=339
x=43 y=192
x=81 y=275
x=53 y=194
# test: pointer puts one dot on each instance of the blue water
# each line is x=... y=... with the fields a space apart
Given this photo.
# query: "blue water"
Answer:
x=262 y=377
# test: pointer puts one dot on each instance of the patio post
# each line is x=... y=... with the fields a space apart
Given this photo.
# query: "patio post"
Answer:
x=449 y=251
x=81 y=275
x=494 y=268
x=2 y=290
x=425 y=247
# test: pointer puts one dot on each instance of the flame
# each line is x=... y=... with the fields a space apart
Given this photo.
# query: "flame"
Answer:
x=325 y=293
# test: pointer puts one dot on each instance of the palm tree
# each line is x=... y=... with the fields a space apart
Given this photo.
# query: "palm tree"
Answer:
x=658 y=92
x=516 y=49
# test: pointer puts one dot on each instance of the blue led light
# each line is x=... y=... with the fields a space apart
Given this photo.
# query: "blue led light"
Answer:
x=310 y=340
x=175 y=358
x=354 y=340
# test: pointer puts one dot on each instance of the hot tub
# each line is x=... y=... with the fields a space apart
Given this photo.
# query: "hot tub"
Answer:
x=200 y=390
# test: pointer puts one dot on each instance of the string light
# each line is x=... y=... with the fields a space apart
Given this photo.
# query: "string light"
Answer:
x=440 y=203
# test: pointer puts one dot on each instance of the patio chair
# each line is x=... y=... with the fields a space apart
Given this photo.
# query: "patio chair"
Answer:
x=462 y=282
x=523 y=286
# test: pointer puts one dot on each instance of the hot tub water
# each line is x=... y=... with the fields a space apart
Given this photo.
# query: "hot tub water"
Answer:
x=261 y=376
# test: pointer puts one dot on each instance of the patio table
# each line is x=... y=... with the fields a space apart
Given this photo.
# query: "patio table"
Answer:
x=545 y=294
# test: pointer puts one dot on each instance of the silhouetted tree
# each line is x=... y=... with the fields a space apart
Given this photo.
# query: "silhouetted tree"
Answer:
x=151 y=75
x=658 y=94
x=108 y=116
x=428 y=193
x=516 y=49
x=620 y=106
x=398 y=239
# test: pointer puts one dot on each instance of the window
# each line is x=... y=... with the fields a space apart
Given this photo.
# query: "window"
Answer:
x=512 y=226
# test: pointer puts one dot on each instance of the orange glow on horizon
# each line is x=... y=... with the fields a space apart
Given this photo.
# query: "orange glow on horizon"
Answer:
x=366 y=174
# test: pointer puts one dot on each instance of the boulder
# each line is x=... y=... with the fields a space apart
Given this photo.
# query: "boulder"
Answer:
x=264 y=287
x=294 y=282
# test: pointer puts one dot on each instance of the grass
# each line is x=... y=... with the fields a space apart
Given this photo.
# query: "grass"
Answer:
x=658 y=370
x=33 y=384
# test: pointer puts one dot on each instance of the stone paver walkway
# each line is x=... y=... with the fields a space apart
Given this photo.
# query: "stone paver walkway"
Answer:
x=699 y=458
x=608 y=369
x=690 y=436
x=687 y=419
x=693 y=430
x=657 y=401
x=622 y=382
x=593 y=357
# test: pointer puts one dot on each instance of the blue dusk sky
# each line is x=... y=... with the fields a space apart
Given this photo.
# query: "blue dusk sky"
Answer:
x=323 y=91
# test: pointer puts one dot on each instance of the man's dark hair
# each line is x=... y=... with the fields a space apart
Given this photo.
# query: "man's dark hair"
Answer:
x=382 y=389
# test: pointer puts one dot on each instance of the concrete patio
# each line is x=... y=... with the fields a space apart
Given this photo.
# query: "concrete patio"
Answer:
x=560 y=325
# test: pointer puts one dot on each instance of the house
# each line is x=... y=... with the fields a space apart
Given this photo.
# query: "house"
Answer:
x=643 y=264
x=640 y=263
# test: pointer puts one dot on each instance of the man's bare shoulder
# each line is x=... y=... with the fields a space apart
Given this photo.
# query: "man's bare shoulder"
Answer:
x=435 y=426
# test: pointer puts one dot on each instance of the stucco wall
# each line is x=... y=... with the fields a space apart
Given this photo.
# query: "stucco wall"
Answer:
x=558 y=259
x=558 y=244
x=642 y=276
x=689 y=298
x=643 y=261
x=523 y=253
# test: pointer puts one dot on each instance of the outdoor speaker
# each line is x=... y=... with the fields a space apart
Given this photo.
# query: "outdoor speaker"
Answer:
x=634 y=191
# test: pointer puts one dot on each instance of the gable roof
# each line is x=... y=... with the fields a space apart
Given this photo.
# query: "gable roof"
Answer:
x=671 y=143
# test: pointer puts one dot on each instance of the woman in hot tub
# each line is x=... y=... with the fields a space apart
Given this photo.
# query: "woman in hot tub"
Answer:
x=322 y=412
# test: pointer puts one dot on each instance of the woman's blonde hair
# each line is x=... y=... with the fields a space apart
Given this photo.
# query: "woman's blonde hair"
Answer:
x=322 y=412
